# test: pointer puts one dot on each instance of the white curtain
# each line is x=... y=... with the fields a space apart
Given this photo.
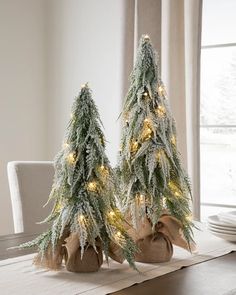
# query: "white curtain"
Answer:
x=175 y=30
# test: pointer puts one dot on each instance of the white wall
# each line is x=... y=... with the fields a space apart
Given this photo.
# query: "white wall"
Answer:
x=22 y=91
x=48 y=49
x=85 y=44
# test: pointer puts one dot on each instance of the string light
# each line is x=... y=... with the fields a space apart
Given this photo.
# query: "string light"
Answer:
x=81 y=218
x=104 y=171
x=134 y=146
x=58 y=207
x=65 y=145
x=111 y=214
x=173 y=140
x=146 y=38
x=83 y=85
x=141 y=199
x=161 y=111
x=147 y=133
x=92 y=186
x=189 y=217
x=118 y=235
x=177 y=194
x=145 y=94
x=161 y=90
x=71 y=158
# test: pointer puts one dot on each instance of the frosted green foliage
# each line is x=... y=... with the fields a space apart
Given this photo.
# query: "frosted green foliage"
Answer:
x=150 y=170
x=83 y=188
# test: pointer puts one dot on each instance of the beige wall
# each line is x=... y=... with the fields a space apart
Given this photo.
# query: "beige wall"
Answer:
x=85 y=42
x=22 y=91
x=48 y=49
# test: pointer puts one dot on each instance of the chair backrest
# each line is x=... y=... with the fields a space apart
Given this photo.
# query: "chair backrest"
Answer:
x=30 y=184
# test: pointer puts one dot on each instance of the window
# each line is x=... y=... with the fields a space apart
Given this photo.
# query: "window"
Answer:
x=218 y=107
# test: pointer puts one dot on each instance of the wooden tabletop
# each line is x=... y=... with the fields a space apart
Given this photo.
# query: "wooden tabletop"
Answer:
x=12 y=241
x=213 y=277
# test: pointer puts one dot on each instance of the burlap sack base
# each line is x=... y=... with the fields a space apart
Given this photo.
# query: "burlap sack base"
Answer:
x=52 y=259
x=91 y=260
x=155 y=248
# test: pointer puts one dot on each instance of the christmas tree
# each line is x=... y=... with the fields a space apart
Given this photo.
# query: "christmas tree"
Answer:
x=152 y=179
x=84 y=211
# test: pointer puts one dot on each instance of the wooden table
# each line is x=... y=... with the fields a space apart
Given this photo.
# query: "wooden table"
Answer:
x=213 y=277
x=12 y=241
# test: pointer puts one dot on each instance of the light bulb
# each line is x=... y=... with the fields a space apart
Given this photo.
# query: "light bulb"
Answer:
x=111 y=214
x=146 y=120
x=81 y=218
x=177 y=194
x=118 y=235
x=161 y=111
x=134 y=146
x=65 y=145
x=146 y=37
x=141 y=199
x=161 y=90
x=173 y=140
x=149 y=130
x=83 y=85
x=145 y=94
x=189 y=217
x=92 y=186
x=71 y=158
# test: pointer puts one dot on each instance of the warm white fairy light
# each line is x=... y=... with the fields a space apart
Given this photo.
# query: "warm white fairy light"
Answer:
x=71 y=158
x=83 y=85
x=145 y=94
x=65 y=145
x=173 y=140
x=177 y=194
x=161 y=111
x=102 y=167
x=92 y=186
x=141 y=199
x=161 y=90
x=81 y=218
x=146 y=37
x=118 y=235
x=111 y=214
x=189 y=217
x=134 y=146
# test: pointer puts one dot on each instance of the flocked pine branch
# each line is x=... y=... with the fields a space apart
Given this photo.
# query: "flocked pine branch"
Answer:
x=152 y=178
x=83 y=187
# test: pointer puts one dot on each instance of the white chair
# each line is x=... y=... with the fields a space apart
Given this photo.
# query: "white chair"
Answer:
x=30 y=184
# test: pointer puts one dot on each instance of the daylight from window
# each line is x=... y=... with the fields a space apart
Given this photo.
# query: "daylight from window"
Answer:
x=218 y=107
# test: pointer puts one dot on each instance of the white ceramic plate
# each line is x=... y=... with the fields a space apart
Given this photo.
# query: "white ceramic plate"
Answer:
x=221 y=230
x=227 y=237
x=214 y=220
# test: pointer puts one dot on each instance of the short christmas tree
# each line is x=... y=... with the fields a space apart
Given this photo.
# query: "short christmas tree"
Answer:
x=84 y=212
x=150 y=171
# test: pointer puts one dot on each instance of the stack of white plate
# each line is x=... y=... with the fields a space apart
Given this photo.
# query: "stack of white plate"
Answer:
x=223 y=225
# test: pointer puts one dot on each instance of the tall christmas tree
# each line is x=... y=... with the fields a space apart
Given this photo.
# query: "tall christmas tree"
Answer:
x=84 y=213
x=152 y=178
